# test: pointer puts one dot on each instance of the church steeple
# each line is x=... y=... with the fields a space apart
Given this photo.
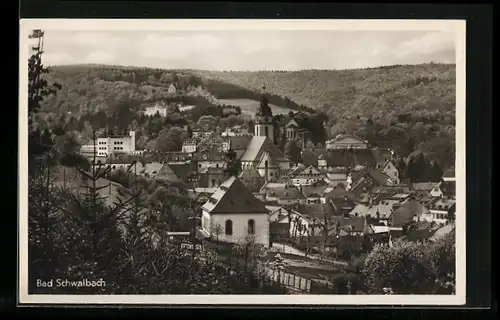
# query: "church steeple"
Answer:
x=264 y=118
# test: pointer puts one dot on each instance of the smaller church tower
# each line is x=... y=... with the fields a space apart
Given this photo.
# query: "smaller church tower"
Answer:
x=264 y=126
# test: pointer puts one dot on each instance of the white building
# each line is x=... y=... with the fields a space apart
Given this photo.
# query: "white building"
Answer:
x=116 y=144
x=346 y=141
x=157 y=109
x=233 y=215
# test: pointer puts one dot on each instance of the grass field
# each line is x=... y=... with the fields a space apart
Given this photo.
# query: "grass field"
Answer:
x=249 y=107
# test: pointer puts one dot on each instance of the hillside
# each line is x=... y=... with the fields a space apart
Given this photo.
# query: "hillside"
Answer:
x=403 y=107
x=347 y=90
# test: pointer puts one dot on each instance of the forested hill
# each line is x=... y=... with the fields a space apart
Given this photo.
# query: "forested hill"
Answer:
x=358 y=90
x=89 y=88
x=406 y=107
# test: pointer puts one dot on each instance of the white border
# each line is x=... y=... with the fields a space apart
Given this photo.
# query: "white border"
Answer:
x=458 y=26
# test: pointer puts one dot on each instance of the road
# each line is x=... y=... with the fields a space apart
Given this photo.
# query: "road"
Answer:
x=280 y=247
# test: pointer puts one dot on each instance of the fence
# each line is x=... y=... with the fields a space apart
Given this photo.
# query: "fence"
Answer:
x=288 y=280
x=270 y=277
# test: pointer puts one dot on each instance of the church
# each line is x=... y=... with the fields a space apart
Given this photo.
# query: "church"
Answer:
x=261 y=152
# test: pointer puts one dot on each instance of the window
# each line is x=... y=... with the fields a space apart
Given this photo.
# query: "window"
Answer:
x=229 y=228
x=266 y=130
x=217 y=165
x=213 y=182
x=251 y=226
x=266 y=163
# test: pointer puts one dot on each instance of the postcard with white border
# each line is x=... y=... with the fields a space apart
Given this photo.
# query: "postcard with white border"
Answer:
x=224 y=162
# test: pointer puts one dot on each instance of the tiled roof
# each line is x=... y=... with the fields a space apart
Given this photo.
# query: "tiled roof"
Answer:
x=406 y=212
x=367 y=211
x=208 y=156
x=252 y=179
x=316 y=210
x=233 y=197
x=423 y=186
x=442 y=204
x=351 y=224
x=347 y=158
x=257 y=146
x=310 y=173
x=285 y=192
x=339 y=192
x=239 y=142
x=378 y=176
x=313 y=191
x=448 y=188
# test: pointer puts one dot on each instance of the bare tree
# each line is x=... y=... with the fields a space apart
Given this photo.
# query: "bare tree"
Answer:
x=217 y=230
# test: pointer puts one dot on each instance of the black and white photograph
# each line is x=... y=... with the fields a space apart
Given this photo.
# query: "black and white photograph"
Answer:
x=242 y=162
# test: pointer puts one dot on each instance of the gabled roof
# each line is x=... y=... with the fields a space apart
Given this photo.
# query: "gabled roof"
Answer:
x=347 y=225
x=406 y=212
x=292 y=123
x=252 y=179
x=366 y=211
x=233 y=197
x=316 y=210
x=208 y=156
x=378 y=176
x=258 y=145
x=310 y=173
x=341 y=137
x=423 y=186
x=314 y=191
x=167 y=174
x=284 y=192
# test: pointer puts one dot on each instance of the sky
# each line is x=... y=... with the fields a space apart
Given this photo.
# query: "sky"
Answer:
x=249 y=50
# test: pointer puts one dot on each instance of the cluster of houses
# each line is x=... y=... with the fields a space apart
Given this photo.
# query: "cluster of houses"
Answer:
x=347 y=189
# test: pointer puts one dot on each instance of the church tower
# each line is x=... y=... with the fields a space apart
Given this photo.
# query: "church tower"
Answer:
x=264 y=119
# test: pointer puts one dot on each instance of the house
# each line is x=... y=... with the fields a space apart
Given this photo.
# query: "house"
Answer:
x=346 y=141
x=201 y=134
x=407 y=213
x=197 y=180
x=436 y=191
x=308 y=176
x=448 y=188
x=208 y=159
x=161 y=110
x=291 y=129
x=190 y=145
x=281 y=193
x=111 y=145
x=449 y=174
x=215 y=177
x=290 y=222
x=390 y=169
x=171 y=89
x=367 y=179
x=423 y=189
x=349 y=158
x=317 y=212
x=314 y=193
x=234 y=211
x=380 y=212
x=442 y=210
x=173 y=173
x=176 y=157
x=259 y=145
